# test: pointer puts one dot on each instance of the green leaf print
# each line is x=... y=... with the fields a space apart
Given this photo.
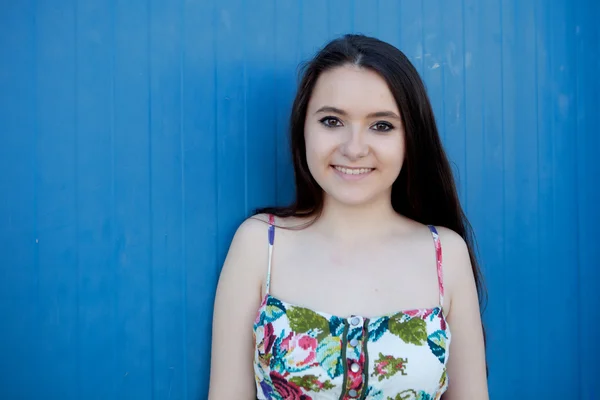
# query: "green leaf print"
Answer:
x=443 y=379
x=303 y=320
x=411 y=395
x=311 y=383
x=405 y=395
x=412 y=330
x=336 y=326
x=277 y=363
x=437 y=344
x=329 y=356
x=378 y=328
x=388 y=366
x=273 y=310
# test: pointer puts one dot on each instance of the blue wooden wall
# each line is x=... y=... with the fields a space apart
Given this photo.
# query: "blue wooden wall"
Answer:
x=136 y=135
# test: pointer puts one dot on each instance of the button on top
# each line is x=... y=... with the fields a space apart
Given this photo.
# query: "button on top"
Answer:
x=356 y=322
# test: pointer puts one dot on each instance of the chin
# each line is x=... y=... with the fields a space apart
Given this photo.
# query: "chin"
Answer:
x=352 y=199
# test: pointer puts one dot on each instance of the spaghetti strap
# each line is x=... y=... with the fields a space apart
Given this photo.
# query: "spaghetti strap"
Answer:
x=271 y=242
x=438 y=256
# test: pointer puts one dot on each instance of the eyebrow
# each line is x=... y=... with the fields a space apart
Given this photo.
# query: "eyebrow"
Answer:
x=378 y=114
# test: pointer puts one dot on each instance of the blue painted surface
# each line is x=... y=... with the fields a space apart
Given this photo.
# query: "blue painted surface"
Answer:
x=135 y=136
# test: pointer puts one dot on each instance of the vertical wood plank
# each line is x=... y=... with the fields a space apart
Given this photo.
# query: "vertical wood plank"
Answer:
x=389 y=29
x=132 y=180
x=18 y=249
x=167 y=195
x=261 y=94
x=588 y=170
x=56 y=200
x=559 y=277
x=288 y=57
x=340 y=17
x=97 y=328
x=411 y=35
x=200 y=196
x=365 y=17
x=521 y=200
x=231 y=130
x=452 y=121
x=433 y=58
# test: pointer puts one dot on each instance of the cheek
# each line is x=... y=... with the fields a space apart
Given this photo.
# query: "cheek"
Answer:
x=398 y=158
x=392 y=156
x=313 y=156
x=318 y=149
x=392 y=160
x=311 y=153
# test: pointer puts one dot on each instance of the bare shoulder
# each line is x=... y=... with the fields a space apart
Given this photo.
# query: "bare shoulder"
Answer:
x=454 y=248
x=236 y=304
x=467 y=365
x=247 y=250
x=254 y=224
x=458 y=271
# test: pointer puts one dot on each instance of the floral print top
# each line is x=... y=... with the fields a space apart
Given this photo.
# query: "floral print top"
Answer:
x=303 y=354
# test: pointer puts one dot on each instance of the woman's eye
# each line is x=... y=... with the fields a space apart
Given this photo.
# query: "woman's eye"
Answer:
x=383 y=126
x=331 y=122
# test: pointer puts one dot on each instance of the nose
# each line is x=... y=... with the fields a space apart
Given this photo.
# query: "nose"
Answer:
x=354 y=145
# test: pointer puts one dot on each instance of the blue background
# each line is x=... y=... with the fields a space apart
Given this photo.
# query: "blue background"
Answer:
x=136 y=135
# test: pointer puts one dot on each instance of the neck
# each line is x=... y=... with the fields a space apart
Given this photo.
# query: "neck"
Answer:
x=355 y=222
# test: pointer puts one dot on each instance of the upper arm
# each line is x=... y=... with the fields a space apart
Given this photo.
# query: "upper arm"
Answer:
x=467 y=378
x=236 y=305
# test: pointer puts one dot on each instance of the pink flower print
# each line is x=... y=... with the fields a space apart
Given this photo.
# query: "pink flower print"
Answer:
x=269 y=337
x=442 y=321
x=261 y=310
x=300 y=350
x=356 y=379
x=420 y=312
x=265 y=334
x=286 y=389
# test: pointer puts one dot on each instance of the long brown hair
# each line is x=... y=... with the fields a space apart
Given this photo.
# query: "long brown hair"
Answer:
x=425 y=190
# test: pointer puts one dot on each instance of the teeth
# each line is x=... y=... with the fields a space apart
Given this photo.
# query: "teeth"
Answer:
x=353 y=171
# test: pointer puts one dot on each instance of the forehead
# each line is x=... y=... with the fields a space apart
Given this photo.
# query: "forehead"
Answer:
x=356 y=90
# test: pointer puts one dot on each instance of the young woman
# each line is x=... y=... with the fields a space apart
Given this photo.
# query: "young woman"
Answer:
x=366 y=287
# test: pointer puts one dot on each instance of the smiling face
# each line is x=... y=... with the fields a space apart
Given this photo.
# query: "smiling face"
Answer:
x=354 y=136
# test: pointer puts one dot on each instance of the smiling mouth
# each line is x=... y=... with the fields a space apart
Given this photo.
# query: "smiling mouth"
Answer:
x=352 y=171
